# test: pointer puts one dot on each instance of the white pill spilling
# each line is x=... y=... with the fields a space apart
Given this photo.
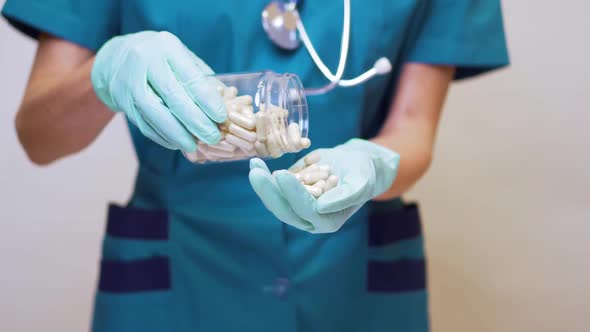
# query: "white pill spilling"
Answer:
x=312 y=158
x=242 y=121
x=304 y=143
x=247 y=135
x=326 y=168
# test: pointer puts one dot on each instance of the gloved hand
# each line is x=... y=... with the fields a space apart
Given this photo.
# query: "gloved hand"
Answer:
x=365 y=169
x=162 y=87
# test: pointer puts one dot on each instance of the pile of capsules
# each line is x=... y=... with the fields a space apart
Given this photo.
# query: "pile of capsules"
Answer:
x=317 y=179
x=247 y=134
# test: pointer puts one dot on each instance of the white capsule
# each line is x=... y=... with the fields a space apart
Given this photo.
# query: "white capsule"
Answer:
x=261 y=126
x=223 y=145
x=220 y=89
x=273 y=146
x=239 y=142
x=195 y=157
x=295 y=134
x=223 y=126
x=242 y=121
x=313 y=177
x=246 y=134
x=230 y=92
x=213 y=153
x=279 y=128
x=239 y=154
x=261 y=149
x=230 y=106
x=206 y=153
x=247 y=110
x=304 y=143
x=249 y=152
x=312 y=158
x=243 y=100
x=320 y=184
x=276 y=154
x=331 y=182
x=296 y=168
x=326 y=168
x=314 y=191
x=310 y=169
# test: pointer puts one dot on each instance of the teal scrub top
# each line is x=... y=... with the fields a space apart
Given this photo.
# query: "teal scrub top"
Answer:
x=195 y=249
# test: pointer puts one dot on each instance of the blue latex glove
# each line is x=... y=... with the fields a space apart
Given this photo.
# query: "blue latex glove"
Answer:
x=162 y=87
x=365 y=170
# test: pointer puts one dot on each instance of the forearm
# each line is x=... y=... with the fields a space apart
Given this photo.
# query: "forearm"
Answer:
x=410 y=128
x=415 y=156
x=60 y=114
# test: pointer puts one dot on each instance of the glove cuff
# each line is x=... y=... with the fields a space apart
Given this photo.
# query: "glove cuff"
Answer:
x=385 y=162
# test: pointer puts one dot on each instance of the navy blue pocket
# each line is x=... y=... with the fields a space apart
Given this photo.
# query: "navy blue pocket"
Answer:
x=398 y=276
x=396 y=261
x=152 y=274
x=135 y=223
x=388 y=227
x=135 y=285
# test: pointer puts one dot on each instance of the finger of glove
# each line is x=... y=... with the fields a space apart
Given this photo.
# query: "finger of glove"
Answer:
x=258 y=163
x=148 y=131
x=301 y=201
x=196 y=78
x=266 y=188
x=167 y=86
x=126 y=103
x=159 y=117
x=332 y=222
x=353 y=189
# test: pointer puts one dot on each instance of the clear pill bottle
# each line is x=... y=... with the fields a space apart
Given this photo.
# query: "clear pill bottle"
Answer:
x=267 y=117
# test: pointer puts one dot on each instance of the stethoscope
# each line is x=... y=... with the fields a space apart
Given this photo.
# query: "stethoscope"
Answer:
x=284 y=27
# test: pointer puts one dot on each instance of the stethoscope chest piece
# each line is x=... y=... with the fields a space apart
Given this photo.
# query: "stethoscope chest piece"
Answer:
x=279 y=20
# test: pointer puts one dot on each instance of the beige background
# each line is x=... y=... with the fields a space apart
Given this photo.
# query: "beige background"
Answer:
x=505 y=204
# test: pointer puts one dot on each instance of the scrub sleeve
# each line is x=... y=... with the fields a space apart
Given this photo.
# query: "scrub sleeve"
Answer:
x=467 y=34
x=86 y=23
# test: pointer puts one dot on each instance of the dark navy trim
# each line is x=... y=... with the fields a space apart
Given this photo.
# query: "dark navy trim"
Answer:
x=399 y=276
x=388 y=227
x=135 y=276
x=134 y=223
